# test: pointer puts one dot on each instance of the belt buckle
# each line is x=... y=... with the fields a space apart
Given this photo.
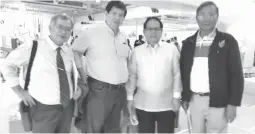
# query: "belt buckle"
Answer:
x=115 y=87
x=112 y=87
x=122 y=84
x=119 y=86
x=202 y=94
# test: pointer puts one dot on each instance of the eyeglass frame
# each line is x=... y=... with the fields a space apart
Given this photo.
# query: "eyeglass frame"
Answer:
x=61 y=27
x=204 y=15
x=153 y=29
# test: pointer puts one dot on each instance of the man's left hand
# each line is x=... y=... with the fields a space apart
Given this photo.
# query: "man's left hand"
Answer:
x=176 y=104
x=77 y=93
x=230 y=113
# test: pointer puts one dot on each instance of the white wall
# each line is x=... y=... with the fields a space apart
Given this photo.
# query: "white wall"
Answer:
x=243 y=31
x=29 y=21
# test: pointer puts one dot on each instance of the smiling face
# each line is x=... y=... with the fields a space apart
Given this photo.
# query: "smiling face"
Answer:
x=152 y=32
x=60 y=32
x=207 y=17
x=115 y=17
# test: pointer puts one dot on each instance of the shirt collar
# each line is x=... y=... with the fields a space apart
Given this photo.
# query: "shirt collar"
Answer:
x=111 y=30
x=209 y=36
x=64 y=47
x=149 y=46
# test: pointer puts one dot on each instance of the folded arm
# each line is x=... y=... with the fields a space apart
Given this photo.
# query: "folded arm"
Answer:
x=16 y=59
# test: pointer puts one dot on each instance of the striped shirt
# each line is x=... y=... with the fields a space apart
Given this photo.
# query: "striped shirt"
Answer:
x=199 y=81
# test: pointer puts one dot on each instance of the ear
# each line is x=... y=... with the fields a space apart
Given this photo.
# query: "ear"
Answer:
x=50 y=27
x=217 y=17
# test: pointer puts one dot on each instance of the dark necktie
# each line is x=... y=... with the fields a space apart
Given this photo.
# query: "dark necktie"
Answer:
x=63 y=80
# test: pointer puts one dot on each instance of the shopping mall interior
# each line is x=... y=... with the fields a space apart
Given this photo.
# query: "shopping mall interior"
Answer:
x=24 y=20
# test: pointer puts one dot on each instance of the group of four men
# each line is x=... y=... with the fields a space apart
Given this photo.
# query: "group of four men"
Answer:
x=205 y=77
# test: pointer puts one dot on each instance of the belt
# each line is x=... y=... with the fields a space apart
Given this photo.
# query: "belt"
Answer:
x=106 y=85
x=202 y=94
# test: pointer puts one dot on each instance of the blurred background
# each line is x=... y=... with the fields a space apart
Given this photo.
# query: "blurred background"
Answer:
x=25 y=20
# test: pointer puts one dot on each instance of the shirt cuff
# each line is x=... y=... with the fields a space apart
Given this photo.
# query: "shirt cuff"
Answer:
x=177 y=95
x=130 y=97
x=12 y=82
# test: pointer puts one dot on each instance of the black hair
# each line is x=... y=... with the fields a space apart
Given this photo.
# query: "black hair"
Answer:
x=117 y=4
x=207 y=3
x=140 y=36
x=152 y=18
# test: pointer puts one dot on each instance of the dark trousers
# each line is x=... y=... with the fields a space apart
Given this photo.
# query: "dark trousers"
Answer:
x=51 y=118
x=103 y=107
x=165 y=121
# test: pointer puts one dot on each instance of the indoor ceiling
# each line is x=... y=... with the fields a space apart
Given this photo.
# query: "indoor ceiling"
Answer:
x=93 y=7
x=71 y=7
x=88 y=7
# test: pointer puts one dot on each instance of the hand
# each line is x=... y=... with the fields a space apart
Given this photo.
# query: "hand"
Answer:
x=132 y=112
x=24 y=95
x=77 y=93
x=230 y=113
x=185 y=106
x=176 y=104
x=83 y=86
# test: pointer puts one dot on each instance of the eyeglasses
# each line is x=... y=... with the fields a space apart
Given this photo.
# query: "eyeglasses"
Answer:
x=210 y=16
x=66 y=29
x=153 y=29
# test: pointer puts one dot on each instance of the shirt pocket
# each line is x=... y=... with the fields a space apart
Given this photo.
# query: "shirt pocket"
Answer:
x=122 y=50
x=121 y=46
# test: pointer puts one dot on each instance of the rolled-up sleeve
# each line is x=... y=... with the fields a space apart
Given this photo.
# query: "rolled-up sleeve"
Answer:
x=16 y=59
x=132 y=78
x=177 y=85
x=79 y=47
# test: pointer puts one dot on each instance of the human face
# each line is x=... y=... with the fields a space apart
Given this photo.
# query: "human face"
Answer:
x=115 y=17
x=207 y=18
x=152 y=32
x=61 y=31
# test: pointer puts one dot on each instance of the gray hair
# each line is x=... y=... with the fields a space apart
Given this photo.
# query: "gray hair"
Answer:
x=62 y=17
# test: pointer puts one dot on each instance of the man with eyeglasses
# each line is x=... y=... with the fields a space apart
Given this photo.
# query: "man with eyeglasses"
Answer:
x=211 y=73
x=154 y=70
x=106 y=50
x=53 y=78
